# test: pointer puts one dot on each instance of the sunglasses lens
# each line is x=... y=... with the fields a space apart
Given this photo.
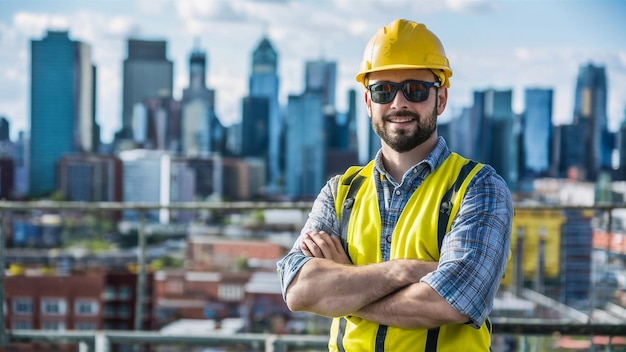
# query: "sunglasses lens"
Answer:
x=415 y=91
x=383 y=93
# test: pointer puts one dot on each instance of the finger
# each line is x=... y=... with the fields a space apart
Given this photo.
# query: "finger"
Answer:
x=304 y=247
x=312 y=247
x=337 y=242
x=305 y=250
x=324 y=243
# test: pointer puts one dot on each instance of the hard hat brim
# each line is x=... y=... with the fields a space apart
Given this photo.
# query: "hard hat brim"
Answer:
x=360 y=77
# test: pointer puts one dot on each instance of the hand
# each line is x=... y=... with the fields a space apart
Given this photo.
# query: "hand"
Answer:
x=322 y=245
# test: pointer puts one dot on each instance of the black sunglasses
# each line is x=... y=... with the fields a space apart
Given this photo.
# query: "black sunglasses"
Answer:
x=414 y=91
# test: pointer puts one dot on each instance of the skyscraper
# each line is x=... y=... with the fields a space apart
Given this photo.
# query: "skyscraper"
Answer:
x=154 y=176
x=4 y=129
x=496 y=141
x=90 y=178
x=201 y=132
x=62 y=100
x=304 y=169
x=264 y=83
x=255 y=128
x=536 y=147
x=321 y=78
x=590 y=117
x=147 y=74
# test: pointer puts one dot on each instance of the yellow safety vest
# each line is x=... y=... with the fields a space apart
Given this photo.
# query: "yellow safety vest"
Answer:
x=418 y=234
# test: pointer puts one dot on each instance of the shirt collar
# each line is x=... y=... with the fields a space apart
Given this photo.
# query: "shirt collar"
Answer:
x=432 y=161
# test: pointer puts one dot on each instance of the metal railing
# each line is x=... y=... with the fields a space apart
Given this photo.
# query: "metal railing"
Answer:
x=101 y=341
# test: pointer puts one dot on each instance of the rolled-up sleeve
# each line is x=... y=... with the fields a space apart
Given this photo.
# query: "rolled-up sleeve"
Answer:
x=475 y=252
x=322 y=217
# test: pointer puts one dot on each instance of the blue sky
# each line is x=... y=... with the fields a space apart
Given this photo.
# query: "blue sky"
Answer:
x=491 y=44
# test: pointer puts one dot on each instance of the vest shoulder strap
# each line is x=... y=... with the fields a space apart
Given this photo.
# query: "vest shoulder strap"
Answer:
x=445 y=209
x=355 y=181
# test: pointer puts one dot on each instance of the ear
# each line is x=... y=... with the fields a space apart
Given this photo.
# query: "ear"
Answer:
x=442 y=101
x=368 y=104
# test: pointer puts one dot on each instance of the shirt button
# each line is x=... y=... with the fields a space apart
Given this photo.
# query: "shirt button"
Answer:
x=388 y=238
x=398 y=193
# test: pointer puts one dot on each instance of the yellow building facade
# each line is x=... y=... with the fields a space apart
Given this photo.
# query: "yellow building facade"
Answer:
x=533 y=226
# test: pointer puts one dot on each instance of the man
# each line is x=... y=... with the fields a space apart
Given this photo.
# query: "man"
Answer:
x=407 y=252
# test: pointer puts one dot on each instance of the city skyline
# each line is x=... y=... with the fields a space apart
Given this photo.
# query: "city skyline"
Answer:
x=512 y=45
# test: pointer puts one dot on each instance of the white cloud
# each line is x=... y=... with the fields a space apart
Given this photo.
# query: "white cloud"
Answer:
x=475 y=6
x=206 y=10
x=121 y=26
x=33 y=24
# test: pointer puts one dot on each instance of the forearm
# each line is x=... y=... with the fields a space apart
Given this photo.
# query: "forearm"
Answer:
x=415 y=306
x=327 y=288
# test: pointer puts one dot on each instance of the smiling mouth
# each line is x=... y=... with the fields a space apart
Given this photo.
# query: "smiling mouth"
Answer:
x=403 y=119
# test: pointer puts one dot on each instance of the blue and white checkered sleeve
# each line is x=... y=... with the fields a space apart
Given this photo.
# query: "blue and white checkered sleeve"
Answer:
x=474 y=253
x=321 y=218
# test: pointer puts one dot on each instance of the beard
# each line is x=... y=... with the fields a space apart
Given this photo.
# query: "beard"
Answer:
x=404 y=140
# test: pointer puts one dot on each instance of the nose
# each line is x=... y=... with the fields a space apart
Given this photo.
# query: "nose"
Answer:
x=399 y=101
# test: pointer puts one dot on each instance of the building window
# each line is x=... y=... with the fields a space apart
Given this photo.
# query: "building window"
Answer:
x=123 y=312
x=21 y=325
x=23 y=306
x=85 y=325
x=53 y=325
x=86 y=307
x=109 y=293
x=53 y=306
x=109 y=311
x=124 y=293
x=230 y=292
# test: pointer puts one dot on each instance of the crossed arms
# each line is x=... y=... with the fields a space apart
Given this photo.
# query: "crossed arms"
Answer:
x=388 y=293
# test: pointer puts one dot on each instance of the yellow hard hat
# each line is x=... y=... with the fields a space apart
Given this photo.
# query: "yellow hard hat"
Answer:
x=405 y=44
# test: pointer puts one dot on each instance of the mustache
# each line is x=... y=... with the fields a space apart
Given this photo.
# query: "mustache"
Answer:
x=401 y=113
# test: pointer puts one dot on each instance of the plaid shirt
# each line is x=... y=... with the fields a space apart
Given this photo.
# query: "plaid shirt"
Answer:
x=479 y=236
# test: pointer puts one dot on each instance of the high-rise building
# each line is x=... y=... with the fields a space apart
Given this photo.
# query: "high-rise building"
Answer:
x=62 y=100
x=341 y=139
x=201 y=131
x=4 y=129
x=21 y=164
x=373 y=141
x=157 y=124
x=536 y=147
x=576 y=260
x=7 y=174
x=568 y=151
x=620 y=144
x=153 y=176
x=149 y=176
x=264 y=83
x=208 y=182
x=590 y=117
x=255 y=128
x=90 y=178
x=321 y=78
x=147 y=74
x=338 y=127
x=244 y=178
x=351 y=116
x=495 y=137
x=304 y=166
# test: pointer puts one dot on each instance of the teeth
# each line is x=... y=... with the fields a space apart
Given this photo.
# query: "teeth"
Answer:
x=401 y=120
